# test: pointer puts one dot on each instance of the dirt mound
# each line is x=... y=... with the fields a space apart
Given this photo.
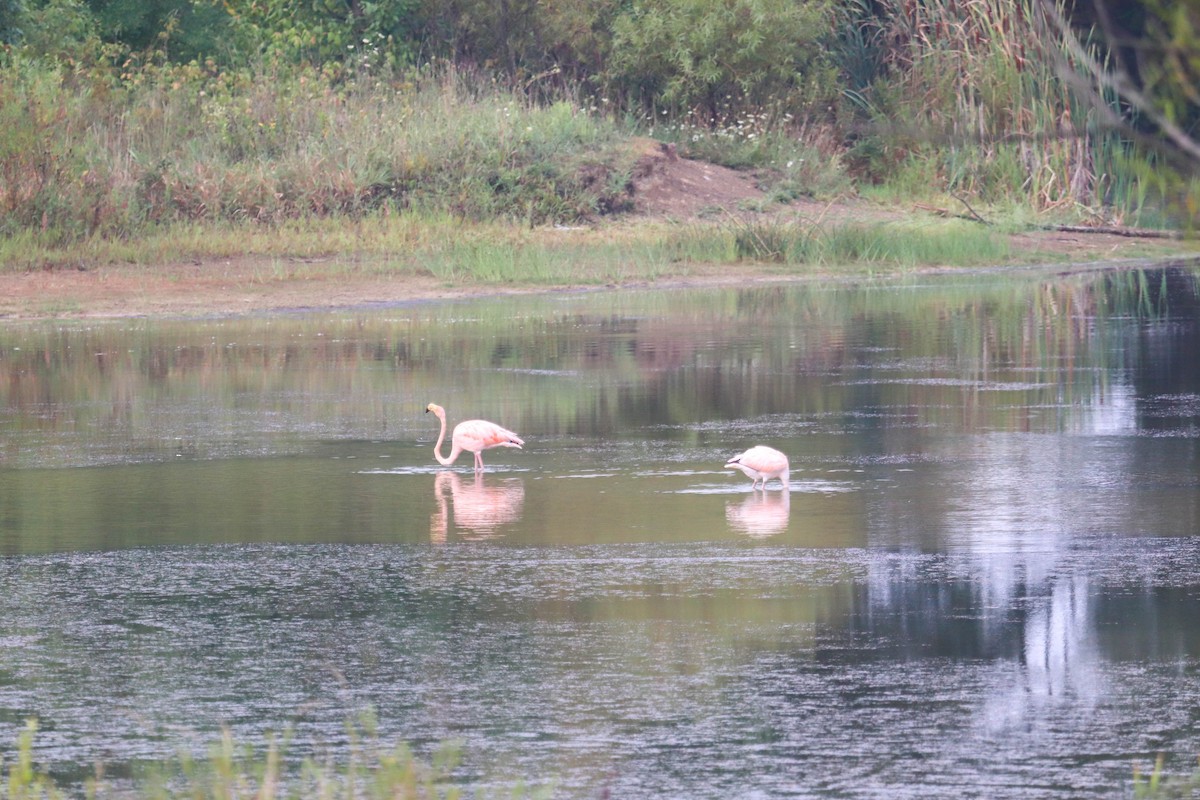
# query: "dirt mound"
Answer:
x=665 y=185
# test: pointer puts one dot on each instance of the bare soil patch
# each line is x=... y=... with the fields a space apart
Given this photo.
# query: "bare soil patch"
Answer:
x=666 y=186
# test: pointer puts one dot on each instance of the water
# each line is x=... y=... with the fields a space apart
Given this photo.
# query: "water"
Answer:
x=985 y=580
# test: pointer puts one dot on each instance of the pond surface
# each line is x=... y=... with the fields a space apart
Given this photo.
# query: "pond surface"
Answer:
x=985 y=580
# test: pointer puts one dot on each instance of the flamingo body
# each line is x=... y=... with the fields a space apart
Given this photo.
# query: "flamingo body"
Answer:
x=761 y=463
x=472 y=435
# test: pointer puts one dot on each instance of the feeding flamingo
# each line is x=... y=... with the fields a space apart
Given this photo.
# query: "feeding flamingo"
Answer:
x=473 y=435
x=761 y=463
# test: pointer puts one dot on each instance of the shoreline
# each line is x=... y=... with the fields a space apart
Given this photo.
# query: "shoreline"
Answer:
x=253 y=285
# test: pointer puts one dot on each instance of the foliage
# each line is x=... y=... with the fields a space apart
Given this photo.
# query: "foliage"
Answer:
x=965 y=98
x=114 y=122
x=45 y=182
x=325 y=31
x=521 y=38
x=65 y=31
x=188 y=29
x=1140 y=79
x=702 y=56
x=858 y=243
x=11 y=13
x=197 y=143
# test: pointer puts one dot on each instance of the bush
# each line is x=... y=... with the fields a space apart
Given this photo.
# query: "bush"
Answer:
x=705 y=57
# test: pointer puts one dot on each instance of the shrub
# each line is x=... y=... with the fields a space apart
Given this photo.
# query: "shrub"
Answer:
x=705 y=57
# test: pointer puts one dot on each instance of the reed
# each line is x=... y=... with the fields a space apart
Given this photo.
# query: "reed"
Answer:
x=967 y=98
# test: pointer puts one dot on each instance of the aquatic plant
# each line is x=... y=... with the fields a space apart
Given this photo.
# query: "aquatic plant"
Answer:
x=373 y=769
x=1159 y=785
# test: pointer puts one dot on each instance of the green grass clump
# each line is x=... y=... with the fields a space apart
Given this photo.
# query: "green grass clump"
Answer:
x=372 y=770
x=902 y=245
x=1158 y=785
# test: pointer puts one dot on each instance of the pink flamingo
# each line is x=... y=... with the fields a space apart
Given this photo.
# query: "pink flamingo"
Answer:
x=473 y=435
x=761 y=463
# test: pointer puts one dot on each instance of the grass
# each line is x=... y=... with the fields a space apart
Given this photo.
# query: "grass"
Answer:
x=419 y=246
x=107 y=161
x=446 y=172
x=185 y=143
x=1159 y=785
x=869 y=244
x=454 y=251
x=372 y=770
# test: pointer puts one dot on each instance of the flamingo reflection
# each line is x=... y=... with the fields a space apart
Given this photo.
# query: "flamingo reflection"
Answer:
x=476 y=508
x=760 y=514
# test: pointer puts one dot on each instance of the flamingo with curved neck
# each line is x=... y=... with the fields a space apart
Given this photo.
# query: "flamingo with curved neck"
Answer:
x=761 y=463
x=472 y=435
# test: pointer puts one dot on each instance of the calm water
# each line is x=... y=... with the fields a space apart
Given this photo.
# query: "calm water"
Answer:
x=985 y=580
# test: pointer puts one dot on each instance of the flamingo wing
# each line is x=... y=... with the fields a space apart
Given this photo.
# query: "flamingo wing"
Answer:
x=475 y=435
x=765 y=460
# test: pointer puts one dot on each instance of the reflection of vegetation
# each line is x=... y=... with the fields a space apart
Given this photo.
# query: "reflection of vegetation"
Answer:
x=587 y=364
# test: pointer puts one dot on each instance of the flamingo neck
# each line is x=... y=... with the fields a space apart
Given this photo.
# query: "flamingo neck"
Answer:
x=437 y=448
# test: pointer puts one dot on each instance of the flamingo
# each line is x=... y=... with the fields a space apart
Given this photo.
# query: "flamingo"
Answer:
x=473 y=435
x=761 y=463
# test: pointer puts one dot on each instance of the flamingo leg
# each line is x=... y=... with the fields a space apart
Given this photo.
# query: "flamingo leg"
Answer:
x=479 y=460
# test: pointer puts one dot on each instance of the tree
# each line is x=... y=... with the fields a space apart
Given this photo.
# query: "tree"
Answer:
x=327 y=31
x=61 y=30
x=523 y=39
x=185 y=29
x=11 y=12
x=718 y=56
x=1143 y=79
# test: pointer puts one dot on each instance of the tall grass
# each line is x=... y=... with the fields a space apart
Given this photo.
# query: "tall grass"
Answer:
x=967 y=98
x=89 y=155
x=866 y=244
x=942 y=97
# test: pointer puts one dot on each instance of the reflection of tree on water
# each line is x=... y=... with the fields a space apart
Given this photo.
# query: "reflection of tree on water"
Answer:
x=1043 y=625
x=1060 y=645
x=475 y=509
x=761 y=514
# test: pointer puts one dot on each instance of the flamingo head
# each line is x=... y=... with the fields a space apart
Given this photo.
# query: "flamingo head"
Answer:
x=436 y=409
